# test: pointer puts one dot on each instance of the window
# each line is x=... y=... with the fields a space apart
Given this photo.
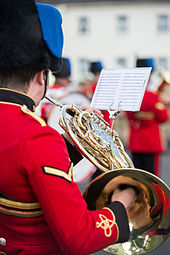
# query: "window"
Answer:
x=83 y=25
x=83 y=67
x=163 y=23
x=121 y=62
x=162 y=64
x=122 y=25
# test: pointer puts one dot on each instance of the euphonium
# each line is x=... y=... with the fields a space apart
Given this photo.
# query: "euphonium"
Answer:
x=163 y=82
x=149 y=217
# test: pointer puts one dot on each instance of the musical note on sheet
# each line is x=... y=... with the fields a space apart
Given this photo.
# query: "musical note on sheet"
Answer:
x=121 y=89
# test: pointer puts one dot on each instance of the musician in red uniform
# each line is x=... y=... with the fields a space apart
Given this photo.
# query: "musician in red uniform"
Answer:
x=42 y=210
x=59 y=89
x=95 y=69
x=145 y=138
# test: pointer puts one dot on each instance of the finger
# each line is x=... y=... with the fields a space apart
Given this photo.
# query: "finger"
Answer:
x=92 y=110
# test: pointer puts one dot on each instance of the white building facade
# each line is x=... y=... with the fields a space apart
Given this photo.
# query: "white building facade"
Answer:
x=115 y=32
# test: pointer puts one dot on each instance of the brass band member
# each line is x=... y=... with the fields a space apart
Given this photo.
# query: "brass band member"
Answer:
x=42 y=210
x=145 y=140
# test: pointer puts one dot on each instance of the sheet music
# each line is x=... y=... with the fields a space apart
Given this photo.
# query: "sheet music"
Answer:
x=121 y=89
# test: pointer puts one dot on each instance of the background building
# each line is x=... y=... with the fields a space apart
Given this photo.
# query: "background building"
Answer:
x=115 y=32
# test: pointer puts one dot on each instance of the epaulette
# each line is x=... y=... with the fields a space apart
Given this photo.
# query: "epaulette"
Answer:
x=34 y=115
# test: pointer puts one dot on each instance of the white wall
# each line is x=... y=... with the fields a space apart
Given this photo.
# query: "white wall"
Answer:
x=103 y=42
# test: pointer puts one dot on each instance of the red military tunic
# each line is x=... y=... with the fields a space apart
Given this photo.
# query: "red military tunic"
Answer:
x=145 y=135
x=42 y=210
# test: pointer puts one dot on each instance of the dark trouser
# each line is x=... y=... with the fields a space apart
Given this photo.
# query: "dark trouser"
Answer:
x=146 y=161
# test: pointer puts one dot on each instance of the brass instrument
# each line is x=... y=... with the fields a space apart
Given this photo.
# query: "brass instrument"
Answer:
x=162 y=82
x=149 y=217
x=164 y=88
x=165 y=80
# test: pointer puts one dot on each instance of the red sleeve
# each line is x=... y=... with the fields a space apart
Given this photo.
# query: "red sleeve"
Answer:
x=130 y=116
x=76 y=229
x=151 y=105
x=159 y=109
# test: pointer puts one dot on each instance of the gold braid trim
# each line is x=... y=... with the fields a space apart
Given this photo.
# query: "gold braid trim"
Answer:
x=144 y=115
x=34 y=115
x=19 y=205
x=20 y=209
x=21 y=214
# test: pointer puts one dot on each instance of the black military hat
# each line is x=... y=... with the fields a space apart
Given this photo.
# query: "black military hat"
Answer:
x=30 y=34
x=145 y=62
x=65 y=70
x=95 y=67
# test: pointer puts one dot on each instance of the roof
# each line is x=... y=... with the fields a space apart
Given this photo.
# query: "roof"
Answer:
x=53 y=2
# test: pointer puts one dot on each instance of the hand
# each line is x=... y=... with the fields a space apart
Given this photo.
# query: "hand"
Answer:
x=127 y=197
x=91 y=110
